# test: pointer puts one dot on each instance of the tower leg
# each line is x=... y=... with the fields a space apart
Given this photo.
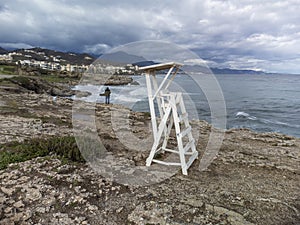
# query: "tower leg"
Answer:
x=158 y=135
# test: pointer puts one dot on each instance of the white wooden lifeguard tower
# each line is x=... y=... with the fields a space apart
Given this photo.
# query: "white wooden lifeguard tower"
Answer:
x=172 y=112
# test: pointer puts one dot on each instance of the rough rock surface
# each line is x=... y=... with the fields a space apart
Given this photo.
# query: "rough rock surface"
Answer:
x=253 y=180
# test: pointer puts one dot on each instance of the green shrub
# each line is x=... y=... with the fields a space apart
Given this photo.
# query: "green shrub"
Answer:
x=8 y=69
x=65 y=147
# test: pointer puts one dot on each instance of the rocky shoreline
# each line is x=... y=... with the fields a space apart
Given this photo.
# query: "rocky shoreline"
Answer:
x=253 y=180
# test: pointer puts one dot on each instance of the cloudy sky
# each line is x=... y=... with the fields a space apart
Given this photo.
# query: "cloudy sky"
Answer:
x=238 y=34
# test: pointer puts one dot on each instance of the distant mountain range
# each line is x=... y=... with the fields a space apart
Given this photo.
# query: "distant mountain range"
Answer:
x=41 y=54
x=3 y=51
x=235 y=71
x=124 y=58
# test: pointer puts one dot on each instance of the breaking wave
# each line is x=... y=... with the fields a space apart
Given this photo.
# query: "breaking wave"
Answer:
x=247 y=116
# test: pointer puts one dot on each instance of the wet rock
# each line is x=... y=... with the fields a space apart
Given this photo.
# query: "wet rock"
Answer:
x=82 y=94
x=134 y=83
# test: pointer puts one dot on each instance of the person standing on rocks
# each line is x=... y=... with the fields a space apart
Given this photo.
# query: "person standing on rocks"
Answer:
x=107 y=93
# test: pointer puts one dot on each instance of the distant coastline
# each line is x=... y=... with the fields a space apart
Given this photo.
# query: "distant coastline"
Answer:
x=78 y=62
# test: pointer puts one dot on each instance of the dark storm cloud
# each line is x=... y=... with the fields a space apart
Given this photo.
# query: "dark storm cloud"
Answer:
x=237 y=34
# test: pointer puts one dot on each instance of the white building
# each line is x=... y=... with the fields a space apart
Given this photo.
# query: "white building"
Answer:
x=6 y=58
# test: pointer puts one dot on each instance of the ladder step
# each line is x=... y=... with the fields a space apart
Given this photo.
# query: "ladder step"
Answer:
x=183 y=117
x=185 y=132
x=170 y=150
x=188 y=146
x=166 y=163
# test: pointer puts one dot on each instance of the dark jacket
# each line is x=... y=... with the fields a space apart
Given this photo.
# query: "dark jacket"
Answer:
x=107 y=92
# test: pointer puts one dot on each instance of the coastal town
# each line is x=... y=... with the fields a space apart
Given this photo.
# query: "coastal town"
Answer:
x=61 y=62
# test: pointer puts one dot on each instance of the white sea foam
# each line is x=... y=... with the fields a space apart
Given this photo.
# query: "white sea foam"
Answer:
x=125 y=99
x=245 y=115
x=265 y=121
x=242 y=114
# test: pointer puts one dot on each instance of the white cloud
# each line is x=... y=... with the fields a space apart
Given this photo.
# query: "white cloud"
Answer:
x=96 y=49
x=223 y=32
x=15 y=45
x=199 y=62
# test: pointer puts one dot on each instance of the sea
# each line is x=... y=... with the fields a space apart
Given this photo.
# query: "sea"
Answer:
x=261 y=102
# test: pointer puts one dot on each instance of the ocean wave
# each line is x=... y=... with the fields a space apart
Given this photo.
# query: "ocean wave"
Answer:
x=247 y=116
x=122 y=99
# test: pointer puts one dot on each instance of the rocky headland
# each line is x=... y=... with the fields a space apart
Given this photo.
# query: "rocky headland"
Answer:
x=253 y=180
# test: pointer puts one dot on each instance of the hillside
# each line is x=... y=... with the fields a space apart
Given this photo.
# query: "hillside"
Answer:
x=52 y=56
x=48 y=55
x=3 y=51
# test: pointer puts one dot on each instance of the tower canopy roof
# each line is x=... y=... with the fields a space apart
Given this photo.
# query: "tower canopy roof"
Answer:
x=161 y=66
